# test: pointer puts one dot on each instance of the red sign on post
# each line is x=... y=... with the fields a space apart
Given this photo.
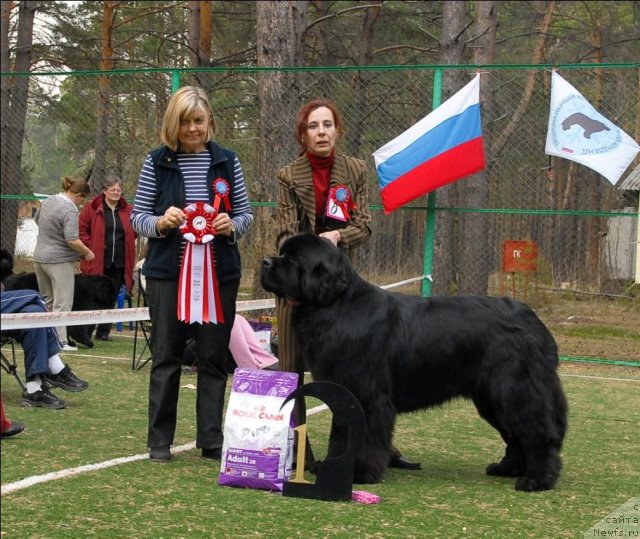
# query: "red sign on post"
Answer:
x=519 y=256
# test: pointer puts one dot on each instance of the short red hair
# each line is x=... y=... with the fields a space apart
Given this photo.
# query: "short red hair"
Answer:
x=303 y=116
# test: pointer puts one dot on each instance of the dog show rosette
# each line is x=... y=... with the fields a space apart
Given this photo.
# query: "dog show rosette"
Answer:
x=198 y=294
x=339 y=203
x=221 y=190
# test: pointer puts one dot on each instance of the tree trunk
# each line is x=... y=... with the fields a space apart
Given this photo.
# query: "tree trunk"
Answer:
x=451 y=52
x=99 y=170
x=361 y=80
x=279 y=39
x=594 y=224
x=200 y=31
x=15 y=91
x=475 y=259
x=536 y=57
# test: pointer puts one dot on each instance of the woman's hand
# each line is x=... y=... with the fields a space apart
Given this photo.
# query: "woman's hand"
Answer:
x=333 y=236
x=89 y=255
x=223 y=224
x=172 y=218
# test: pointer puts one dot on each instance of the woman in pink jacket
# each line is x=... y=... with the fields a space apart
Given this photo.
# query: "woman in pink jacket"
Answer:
x=105 y=226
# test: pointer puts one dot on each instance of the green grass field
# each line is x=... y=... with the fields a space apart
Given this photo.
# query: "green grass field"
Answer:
x=450 y=497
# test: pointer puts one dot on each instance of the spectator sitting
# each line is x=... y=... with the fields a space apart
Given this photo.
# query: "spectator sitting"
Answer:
x=43 y=365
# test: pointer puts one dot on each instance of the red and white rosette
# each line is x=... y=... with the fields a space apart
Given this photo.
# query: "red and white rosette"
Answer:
x=198 y=293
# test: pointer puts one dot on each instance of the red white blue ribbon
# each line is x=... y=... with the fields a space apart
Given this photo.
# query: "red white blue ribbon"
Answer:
x=221 y=190
x=198 y=294
x=339 y=203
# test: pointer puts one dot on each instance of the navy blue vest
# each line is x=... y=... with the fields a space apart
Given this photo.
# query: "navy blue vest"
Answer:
x=163 y=254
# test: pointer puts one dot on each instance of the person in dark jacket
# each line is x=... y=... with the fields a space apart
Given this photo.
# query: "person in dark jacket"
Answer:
x=105 y=226
x=189 y=168
x=43 y=365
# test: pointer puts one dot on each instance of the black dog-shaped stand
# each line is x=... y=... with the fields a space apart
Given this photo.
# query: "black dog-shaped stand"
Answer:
x=334 y=476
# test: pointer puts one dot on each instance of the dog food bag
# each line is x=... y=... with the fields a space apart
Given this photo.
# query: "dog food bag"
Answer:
x=258 y=436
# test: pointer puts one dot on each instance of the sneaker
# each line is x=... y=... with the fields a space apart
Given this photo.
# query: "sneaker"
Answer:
x=66 y=379
x=66 y=347
x=42 y=399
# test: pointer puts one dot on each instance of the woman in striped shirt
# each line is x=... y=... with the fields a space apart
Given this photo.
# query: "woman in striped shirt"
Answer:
x=181 y=172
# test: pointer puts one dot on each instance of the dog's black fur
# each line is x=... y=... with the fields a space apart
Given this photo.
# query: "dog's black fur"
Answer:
x=6 y=264
x=399 y=353
x=91 y=292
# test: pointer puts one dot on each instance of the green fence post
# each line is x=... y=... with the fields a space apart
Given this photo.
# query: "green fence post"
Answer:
x=430 y=226
x=175 y=81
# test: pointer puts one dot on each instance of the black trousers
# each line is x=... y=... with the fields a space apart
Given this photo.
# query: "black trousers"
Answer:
x=117 y=274
x=168 y=342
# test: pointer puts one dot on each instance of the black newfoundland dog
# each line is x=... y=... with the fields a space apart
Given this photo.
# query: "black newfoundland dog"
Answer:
x=399 y=353
x=91 y=293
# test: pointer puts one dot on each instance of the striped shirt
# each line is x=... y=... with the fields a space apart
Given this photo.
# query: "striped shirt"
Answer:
x=194 y=168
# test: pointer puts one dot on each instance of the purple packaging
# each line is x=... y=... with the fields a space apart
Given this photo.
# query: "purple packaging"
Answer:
x=258 y=436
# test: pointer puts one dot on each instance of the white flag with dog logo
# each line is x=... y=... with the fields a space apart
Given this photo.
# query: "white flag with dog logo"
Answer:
x=580 y=133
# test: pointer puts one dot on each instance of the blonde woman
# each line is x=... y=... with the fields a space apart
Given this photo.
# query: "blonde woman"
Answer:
x=59 y=247
x=182 y=171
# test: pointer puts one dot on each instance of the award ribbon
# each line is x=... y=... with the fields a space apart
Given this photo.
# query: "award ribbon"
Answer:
x=198 y=293
x=340 y=202
x=221 y=190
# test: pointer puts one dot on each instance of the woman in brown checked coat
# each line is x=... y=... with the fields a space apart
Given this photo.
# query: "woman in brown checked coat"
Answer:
x=326 y=193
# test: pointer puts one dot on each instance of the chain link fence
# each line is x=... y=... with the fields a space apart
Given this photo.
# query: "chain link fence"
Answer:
x=573 y=216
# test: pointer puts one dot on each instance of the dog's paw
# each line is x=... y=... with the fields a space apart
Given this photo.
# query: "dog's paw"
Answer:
x=535 y=484
x=500 y=470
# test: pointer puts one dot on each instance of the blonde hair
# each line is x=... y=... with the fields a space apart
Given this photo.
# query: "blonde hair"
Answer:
x=76 y=185
x=181 y=106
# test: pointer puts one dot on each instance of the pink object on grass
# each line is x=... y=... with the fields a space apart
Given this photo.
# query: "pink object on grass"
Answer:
x=362 y=496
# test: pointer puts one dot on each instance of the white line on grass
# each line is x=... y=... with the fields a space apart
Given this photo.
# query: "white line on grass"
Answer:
x=601 y=378
x=36 y=479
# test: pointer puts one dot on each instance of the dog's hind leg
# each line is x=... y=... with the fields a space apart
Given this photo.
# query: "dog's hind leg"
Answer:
x=514 y=462
x=541 y=443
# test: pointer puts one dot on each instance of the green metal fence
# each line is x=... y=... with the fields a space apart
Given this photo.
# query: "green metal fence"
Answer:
x=583 y=227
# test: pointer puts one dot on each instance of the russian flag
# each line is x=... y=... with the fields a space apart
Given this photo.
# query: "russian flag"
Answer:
x=443 y=147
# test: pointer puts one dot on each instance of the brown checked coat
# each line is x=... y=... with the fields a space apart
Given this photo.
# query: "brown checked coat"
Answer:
x=296 y=212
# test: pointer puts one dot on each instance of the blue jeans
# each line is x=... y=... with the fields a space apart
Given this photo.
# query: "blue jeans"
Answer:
x=39 y=344
x=168 y=342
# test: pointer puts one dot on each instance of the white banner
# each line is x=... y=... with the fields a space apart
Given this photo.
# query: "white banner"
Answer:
x=578 y=132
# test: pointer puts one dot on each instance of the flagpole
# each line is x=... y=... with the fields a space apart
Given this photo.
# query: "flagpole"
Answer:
x=430 y=226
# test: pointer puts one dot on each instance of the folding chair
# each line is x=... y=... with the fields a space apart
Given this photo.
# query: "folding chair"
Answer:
x=10 y=366
x=142 y=357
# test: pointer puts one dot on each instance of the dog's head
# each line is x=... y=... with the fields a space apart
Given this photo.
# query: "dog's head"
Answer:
x=309 y=270
x=6 y=264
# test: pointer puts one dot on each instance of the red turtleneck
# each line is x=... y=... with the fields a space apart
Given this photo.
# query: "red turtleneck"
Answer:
x=321 y=170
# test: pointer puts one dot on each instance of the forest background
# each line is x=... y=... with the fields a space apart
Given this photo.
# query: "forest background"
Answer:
x=55 y=125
